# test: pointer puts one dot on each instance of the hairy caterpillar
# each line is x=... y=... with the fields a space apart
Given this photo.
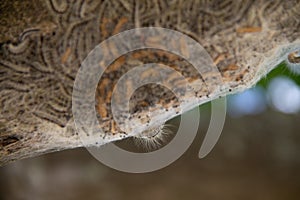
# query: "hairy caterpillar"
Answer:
x=293 y=62
x=153 y=139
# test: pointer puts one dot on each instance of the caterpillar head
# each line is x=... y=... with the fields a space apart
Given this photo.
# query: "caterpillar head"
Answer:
x=293 y=61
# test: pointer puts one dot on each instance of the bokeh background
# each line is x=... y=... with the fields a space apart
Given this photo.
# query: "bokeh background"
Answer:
x=257 y=157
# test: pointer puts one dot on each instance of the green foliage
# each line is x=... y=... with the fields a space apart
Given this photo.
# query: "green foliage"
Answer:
x=280 y=70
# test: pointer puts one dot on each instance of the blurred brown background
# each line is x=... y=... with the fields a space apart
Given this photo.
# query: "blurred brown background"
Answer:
x=257 y=157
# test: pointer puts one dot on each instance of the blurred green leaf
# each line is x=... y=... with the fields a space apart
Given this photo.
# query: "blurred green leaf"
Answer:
x=280 y=70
